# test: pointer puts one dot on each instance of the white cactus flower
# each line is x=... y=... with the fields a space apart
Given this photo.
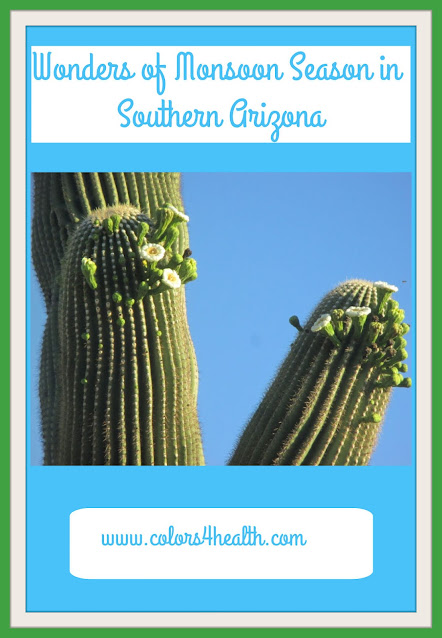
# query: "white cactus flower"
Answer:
x=358 y=311
x=171 y=278
x=152 y=252
x=384 y=286
x=321 y=323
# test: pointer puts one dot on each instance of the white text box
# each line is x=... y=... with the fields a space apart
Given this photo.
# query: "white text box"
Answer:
x=183 y=543
x=358 y=93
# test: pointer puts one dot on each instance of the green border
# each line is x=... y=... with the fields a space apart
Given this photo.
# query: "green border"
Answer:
x=436 y=8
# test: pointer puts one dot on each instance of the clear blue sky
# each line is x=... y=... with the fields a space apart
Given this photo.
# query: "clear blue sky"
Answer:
x=270 y=245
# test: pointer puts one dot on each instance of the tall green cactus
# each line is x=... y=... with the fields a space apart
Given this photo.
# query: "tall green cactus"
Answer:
x=118 y=378
x=327 y=402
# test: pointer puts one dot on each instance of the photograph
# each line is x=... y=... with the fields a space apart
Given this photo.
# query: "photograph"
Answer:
x=221 y=319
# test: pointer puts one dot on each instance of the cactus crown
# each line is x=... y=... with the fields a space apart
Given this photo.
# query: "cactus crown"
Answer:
x=378 y=328
x=137 y=238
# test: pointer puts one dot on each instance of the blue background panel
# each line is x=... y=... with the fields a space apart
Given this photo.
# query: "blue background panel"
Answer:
x=388 y=492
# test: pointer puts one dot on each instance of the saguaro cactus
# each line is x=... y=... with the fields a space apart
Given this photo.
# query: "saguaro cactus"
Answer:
x=118 y=379
x=327 y=402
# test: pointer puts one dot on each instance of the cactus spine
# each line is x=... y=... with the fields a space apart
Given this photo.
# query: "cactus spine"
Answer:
x=327 y=402
x=118 y=378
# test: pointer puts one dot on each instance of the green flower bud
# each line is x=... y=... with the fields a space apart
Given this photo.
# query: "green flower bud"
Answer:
x=374 y=331
x=389 y=380
x=155 y=274
x=405 y=328
x=88 y=268
x=294 y=320
x=338 y=316
x=392 y=305
x=108 y=225
x=400 y=355
x=395 y=317
x=165 y=217
x=142 y=231
x=116 y=219
x=143 y=289
x=175 y=261
x=187 y=269
x=171 y=235
x=395 y=330
x=372 y=418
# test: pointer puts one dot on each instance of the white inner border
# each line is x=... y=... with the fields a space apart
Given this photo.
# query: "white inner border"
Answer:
x=19 y=21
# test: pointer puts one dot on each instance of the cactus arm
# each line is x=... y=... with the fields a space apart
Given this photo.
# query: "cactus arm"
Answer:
x=327 y=402
x=288 y=393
